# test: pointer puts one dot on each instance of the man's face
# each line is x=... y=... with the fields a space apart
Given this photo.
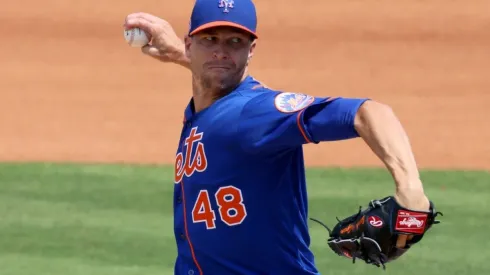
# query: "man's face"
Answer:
x=219 y=56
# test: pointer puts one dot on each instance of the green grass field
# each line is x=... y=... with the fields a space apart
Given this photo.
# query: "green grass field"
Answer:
x=108 y=219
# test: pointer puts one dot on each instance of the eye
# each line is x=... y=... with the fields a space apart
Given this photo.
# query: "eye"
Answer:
x=236 y=40
x=208 y=39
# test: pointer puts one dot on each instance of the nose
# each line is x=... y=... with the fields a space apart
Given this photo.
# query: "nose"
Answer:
x=220 y=54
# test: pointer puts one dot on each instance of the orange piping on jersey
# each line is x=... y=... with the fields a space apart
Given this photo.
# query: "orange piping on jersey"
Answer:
x=187 y=232
x=298 y=119
x=331 y=99
x=301 y=129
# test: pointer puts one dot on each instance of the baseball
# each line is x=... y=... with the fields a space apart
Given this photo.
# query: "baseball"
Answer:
x=136 y=37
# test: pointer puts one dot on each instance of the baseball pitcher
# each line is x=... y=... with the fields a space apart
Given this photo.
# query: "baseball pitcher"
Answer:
x=240 y=199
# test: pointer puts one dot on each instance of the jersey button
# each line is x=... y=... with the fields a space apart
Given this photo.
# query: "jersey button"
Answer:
x=182 y=236
x=179 y=199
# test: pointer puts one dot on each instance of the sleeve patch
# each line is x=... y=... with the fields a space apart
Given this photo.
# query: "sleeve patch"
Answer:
x=292 y=102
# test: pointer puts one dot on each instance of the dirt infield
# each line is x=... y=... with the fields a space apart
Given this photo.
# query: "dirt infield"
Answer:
x=72 y=90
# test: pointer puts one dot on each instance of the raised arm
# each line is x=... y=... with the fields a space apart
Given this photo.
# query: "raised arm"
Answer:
x=165 y=45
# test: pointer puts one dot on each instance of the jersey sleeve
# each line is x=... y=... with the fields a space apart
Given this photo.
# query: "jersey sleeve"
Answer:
x=273 y=121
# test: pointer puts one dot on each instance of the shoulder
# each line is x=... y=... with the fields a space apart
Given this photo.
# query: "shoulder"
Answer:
x=264 y=98
x=255 y=98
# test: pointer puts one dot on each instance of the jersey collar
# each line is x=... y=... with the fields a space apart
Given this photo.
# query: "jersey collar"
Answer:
x=248 y=83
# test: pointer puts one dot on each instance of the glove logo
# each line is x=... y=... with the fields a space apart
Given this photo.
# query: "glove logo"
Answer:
x=375 y=221
x=410 y=222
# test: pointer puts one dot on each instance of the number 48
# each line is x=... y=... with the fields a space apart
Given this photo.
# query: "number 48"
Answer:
x=230 y=207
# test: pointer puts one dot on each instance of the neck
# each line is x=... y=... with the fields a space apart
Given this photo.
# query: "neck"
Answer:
x=203 y=97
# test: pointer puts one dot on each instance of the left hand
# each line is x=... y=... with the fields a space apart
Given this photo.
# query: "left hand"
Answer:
x=413 y=199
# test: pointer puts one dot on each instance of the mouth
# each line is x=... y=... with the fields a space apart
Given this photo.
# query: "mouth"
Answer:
x=216 y=67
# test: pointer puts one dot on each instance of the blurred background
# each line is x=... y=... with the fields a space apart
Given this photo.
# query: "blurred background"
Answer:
x=73 y=90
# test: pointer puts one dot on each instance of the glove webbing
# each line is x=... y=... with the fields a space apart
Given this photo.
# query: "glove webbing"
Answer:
x=380 y=261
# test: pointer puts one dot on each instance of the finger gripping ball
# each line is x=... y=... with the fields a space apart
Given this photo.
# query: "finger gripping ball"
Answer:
x=136 y=37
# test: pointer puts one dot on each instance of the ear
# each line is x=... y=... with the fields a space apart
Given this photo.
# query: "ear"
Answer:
x=187 y=42
x=252 y=49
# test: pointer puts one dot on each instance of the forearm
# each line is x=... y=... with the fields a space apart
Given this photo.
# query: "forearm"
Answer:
x=179 y=57
x=378 y=126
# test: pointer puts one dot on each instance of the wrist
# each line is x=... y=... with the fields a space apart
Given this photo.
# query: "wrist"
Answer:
x=405 y=176
x=179 y=57
x=183 y=61
x=408 y=184
x=410 y=188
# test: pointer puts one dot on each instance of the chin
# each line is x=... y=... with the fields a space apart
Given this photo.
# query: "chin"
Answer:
x=222 y=86
x=220 y=80
x=223 y=81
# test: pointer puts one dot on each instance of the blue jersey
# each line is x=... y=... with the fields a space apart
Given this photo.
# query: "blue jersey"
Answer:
x=240 y=200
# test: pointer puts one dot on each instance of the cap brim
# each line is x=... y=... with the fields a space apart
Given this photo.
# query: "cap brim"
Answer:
x=223 y=24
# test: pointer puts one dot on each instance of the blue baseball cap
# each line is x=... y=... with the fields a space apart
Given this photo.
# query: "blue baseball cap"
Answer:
x=240 y=14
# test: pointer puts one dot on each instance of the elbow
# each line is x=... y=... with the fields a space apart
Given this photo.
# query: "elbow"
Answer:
x=372 y=112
